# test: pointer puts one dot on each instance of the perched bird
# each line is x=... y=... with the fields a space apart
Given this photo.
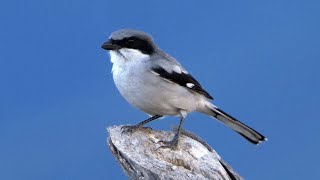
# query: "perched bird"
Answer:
x=157 y=84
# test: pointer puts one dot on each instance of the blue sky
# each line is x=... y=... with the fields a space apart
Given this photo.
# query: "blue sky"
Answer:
x=259 y=59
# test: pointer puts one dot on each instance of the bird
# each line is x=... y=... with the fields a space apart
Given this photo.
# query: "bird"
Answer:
x=156 y=83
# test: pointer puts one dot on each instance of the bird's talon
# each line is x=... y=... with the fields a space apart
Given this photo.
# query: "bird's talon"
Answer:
x=148 y=128
x=131 y=129
x=128 y=129
x=169 y=144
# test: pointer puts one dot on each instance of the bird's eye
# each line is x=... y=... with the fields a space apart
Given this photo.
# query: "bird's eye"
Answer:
x=130 y=42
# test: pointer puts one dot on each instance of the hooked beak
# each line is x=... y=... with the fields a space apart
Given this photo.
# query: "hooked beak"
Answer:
x=109 y=46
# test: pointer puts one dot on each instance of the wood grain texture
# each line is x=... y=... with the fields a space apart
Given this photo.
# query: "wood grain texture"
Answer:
x=139 y=155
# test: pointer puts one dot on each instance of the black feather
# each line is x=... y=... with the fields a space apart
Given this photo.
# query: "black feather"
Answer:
x=133 y=42
x=182 y=79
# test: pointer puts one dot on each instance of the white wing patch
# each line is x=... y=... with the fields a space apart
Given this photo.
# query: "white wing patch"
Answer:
x=190 y=85
x=176 y=69
x=157 y=74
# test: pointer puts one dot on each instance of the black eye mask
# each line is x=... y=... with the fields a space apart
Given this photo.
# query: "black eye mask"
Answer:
x=135 y=43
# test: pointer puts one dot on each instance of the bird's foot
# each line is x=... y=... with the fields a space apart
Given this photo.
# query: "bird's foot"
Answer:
x=132 y=129
x=169 y=144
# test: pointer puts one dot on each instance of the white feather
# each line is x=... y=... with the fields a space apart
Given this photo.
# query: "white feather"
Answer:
x=190 y=85
x=176 y=69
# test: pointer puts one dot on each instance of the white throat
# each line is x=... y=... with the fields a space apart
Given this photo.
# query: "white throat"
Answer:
x=126 y=57
x=126 y=54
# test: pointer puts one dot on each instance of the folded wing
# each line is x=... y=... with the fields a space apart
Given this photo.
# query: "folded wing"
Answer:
x=182 y=78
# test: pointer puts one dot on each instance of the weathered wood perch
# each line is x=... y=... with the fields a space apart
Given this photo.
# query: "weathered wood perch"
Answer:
x=140 y=158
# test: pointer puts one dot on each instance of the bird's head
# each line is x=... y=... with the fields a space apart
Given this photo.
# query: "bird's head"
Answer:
x=130 y=44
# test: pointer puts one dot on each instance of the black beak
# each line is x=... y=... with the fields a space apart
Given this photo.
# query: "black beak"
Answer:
x=109 y=46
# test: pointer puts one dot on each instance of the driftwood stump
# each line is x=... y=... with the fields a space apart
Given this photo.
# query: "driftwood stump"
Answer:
x=141 y=158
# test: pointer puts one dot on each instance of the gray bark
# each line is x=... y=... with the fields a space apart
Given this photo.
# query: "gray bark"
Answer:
x=139 y=155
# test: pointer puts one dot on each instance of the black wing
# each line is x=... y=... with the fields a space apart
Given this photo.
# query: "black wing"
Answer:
x=183 y=79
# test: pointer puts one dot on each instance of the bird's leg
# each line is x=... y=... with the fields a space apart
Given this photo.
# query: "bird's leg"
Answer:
x=133 y=128
x=174 y=142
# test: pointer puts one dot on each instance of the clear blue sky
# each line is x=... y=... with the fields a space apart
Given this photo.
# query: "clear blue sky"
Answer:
x=259 y=59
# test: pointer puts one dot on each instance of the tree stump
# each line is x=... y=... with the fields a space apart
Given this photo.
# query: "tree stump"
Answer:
x=139 y=155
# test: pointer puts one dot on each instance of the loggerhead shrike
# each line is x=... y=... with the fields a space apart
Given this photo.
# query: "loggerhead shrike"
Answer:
x=158 y=85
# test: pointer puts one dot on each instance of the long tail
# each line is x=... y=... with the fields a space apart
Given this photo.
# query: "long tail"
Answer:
x=244 y=130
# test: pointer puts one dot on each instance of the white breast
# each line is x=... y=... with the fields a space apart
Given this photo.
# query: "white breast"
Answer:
x=145 y=90
x=127 y=73
x=127 y=67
